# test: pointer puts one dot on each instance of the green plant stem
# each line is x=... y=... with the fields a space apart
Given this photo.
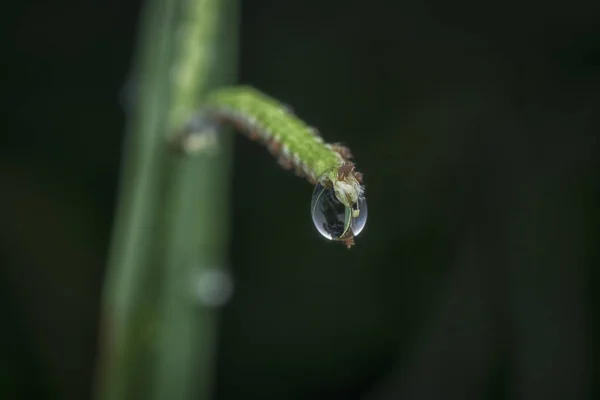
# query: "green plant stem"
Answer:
x=156 y=334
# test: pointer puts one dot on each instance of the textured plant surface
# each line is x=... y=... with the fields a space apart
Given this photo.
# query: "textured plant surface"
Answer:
x=295 y=144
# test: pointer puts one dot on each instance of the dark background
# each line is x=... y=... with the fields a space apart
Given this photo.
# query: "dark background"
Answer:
x=475 y=125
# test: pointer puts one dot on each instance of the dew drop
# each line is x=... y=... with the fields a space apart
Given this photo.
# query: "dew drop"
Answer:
x=332 y=218
x=213 y=286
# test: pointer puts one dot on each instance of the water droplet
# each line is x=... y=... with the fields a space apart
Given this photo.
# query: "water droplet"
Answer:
x=198 y=135
x=332 y=218
x=213 y=286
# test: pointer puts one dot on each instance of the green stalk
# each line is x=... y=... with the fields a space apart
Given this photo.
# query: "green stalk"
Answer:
x=170 y=233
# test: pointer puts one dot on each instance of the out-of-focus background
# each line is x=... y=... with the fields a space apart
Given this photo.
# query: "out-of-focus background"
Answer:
x=476 y=127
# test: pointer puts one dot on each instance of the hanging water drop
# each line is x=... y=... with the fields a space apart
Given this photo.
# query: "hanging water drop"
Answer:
x=333 y=219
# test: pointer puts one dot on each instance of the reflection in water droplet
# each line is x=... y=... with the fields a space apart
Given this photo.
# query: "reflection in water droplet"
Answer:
x=332 y=218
